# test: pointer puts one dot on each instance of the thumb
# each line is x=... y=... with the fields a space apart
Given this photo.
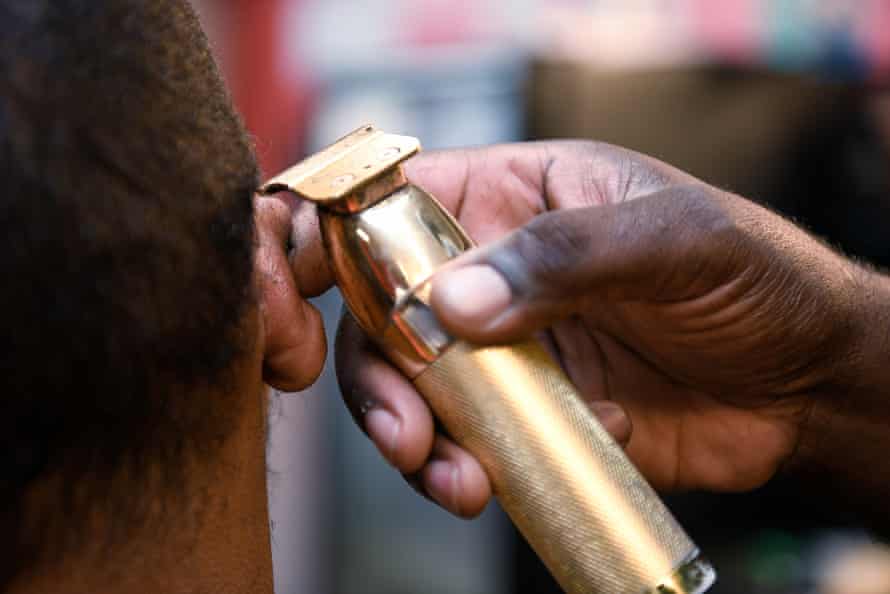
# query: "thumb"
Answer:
x=665 y=246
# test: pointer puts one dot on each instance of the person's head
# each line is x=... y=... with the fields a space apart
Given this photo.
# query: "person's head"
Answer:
x=130 y=306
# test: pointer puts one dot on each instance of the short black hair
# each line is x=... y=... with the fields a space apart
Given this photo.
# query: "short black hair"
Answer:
x=126 y=237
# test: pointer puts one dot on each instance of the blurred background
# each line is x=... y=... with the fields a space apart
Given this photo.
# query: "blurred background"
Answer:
x=781 y=101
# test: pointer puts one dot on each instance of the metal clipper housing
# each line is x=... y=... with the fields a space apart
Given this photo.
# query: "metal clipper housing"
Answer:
x=571 y=491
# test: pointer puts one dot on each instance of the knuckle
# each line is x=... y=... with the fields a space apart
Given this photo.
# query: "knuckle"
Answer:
x=694 y=233
x=708 y=220
x=611 y=175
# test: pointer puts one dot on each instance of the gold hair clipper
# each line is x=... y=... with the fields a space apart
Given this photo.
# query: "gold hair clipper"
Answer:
x=568 y=487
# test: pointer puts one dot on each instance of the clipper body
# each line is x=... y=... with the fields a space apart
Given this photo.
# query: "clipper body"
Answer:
x=567 y=486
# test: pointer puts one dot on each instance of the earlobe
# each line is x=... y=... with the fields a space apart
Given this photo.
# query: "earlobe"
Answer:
x=293 y=339
x=295 y=347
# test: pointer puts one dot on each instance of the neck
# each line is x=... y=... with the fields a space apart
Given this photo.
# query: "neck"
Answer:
x=213 y=538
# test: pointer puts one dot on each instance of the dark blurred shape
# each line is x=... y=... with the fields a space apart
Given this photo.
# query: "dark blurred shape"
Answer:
x=734 y=129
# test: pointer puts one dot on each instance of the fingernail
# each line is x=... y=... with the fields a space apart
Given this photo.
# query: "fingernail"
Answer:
x=442 y=484
x=476 y=294
x=613 y=419
x=384 y=429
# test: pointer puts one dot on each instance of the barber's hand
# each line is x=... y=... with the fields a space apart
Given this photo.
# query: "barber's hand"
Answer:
x=707 y=323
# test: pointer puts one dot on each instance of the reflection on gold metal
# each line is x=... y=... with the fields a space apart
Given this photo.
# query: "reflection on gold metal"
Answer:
x=567 y=486
x=381 y=257
x=341 y=176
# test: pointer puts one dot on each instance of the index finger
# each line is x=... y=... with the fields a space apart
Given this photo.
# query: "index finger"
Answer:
x=453 y=175
x=540 y=176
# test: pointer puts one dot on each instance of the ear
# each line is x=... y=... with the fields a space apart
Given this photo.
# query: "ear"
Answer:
x=290 y=267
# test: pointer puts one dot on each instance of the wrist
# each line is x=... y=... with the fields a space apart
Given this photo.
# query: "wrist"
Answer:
x=845 y=435
x=870 y=377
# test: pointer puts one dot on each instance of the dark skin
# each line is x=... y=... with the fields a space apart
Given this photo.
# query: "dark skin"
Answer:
x=717 y=340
